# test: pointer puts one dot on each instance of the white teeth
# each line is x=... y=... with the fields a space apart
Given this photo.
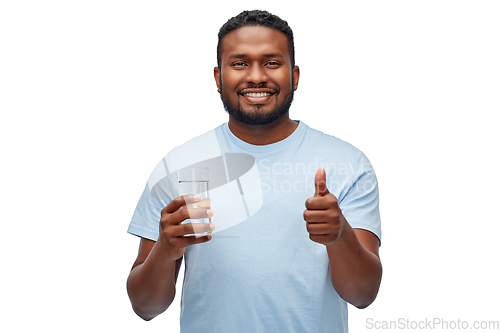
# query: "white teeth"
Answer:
x=263 y=94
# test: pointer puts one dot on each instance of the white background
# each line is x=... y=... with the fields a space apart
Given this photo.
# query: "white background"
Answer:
x=94 y=93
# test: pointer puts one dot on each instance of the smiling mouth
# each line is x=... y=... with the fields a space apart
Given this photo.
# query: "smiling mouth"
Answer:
x=257 y=91
x=257 y=98
x=259 y=94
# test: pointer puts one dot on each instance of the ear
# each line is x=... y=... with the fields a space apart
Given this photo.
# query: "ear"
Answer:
x=217 y=77
x=296 y=74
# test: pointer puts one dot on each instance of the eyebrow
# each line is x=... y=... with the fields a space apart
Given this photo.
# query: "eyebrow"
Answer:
x=237 y=56
x=269 y=55
x=273 y=55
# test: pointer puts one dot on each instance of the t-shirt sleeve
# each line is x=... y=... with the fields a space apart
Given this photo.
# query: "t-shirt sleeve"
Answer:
x=360 y=205
x=146 y=219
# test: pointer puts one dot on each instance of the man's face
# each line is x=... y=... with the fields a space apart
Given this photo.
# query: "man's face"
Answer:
x=256 y=79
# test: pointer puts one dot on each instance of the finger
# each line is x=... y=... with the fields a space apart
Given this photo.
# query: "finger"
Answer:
x=205 y=203
x=320 y=183
x=186 y=212
x=201 y=228
x=190 y=212
x=322 y=202
x=191 y=240
x=316 y=216
x=191 y=228
x=317 y=228
x=178 y=202
x=322 y=239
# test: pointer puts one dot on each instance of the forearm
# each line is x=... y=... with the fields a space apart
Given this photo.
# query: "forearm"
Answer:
x=355 y=271
x=151 y=285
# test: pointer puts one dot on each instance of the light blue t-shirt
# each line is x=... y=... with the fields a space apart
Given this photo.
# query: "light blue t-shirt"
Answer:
x=261 y=272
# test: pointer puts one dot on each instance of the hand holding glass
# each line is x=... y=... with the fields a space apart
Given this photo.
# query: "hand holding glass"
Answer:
x=195 y=181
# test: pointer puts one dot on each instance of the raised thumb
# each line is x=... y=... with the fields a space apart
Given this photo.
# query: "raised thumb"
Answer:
x=320 y=183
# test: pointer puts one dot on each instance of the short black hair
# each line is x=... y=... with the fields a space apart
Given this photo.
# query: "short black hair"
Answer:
x=256 y=18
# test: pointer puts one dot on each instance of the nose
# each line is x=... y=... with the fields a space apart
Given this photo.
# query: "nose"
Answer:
x=256 y=74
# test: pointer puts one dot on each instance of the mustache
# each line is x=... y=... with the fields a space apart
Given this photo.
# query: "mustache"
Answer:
x=258 y=86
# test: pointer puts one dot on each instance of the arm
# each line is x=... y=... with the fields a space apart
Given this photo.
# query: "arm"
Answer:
x=355 y=267
x=151 y=282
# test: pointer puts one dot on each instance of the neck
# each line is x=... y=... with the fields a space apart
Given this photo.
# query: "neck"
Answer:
x=263 y=135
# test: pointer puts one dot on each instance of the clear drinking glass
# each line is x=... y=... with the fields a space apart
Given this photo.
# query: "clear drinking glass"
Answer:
x=195 y=181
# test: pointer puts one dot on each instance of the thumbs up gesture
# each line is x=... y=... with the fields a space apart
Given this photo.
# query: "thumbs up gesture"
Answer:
x=325 y=222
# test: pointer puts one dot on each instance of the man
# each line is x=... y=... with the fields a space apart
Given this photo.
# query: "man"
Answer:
x=280 y=268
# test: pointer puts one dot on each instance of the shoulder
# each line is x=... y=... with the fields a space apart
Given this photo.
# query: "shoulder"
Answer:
x=199 y=148
x=201 y=140
x=331 y=143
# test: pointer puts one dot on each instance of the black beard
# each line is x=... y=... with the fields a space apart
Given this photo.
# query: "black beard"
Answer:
x=257 y=118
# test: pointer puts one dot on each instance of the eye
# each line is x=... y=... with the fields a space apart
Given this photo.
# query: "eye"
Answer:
x=239 y=64
x=272 y=64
